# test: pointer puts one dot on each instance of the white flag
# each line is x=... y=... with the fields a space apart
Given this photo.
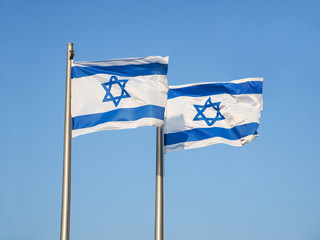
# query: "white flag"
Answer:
x=118 y=94
x=202 y=114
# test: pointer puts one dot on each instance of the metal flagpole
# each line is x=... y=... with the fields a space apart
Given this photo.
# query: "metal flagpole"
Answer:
x=159 y=223
x=66 y=185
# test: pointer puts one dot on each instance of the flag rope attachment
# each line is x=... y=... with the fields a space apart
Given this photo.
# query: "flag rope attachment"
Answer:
x=66 y=185
x=159 y=222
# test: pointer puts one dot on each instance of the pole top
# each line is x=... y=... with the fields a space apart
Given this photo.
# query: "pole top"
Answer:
x=71 y=51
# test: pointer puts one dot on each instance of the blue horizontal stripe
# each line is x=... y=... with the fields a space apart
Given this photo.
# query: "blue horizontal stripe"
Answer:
x=250 y=87
x=198 y=134
x=125 y=70
x=122 y=114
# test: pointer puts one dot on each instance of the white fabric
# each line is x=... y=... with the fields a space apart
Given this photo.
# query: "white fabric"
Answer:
x=87 y=93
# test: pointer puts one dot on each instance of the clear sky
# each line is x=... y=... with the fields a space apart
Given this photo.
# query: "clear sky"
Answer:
x=269 y=189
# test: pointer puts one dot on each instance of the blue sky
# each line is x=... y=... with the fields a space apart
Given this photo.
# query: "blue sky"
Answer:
x=266 y=190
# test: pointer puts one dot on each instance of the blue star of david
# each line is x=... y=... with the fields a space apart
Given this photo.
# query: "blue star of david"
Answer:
x=200 y=115
x=109 y=96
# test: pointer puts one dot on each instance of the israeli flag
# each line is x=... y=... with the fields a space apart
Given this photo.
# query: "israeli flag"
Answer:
x=202 y=114
x=118 y=94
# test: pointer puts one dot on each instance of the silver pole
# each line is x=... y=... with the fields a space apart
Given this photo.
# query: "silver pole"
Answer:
x=66 y=185
x=159 y=223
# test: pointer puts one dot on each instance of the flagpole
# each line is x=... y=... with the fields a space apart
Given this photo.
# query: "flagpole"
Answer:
x=159 y=223
x=66 y=185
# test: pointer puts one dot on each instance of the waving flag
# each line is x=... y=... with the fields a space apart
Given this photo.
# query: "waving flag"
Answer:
x=202 y=114
x=118 y=94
